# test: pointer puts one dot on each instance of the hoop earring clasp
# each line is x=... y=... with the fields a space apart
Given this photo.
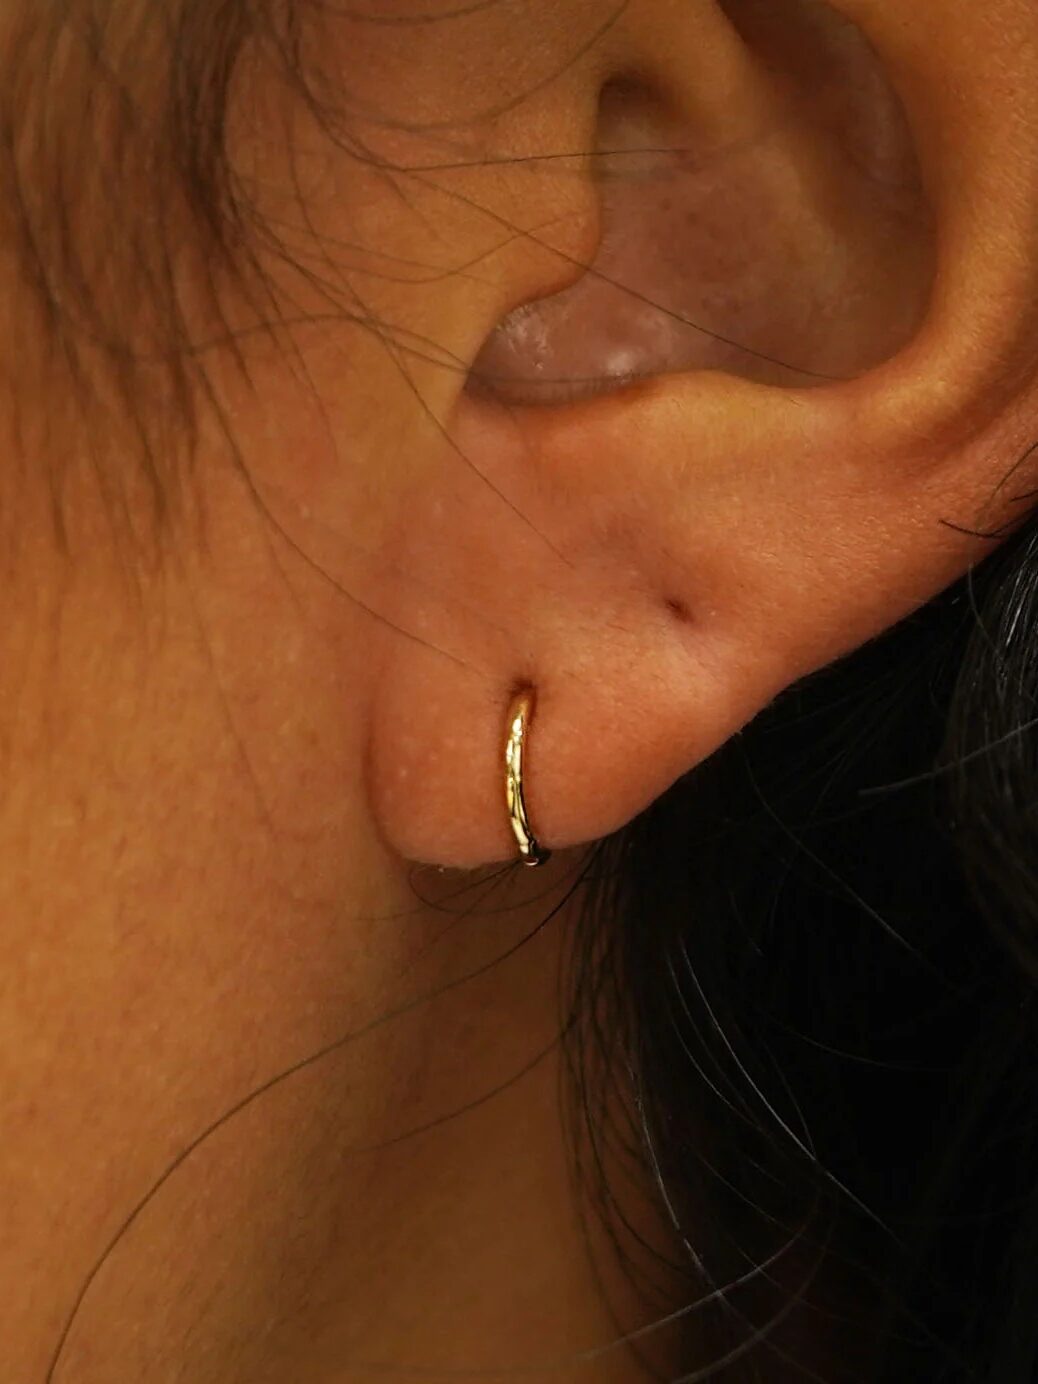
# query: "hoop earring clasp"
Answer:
x=520 y=716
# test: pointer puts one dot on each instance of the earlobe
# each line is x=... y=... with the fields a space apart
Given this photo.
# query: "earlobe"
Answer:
x=660 y=560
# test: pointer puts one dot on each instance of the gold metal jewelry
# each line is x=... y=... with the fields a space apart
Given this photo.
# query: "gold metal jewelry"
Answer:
x=520 y=715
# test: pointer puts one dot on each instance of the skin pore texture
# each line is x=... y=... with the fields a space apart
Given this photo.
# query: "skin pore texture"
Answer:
x=465 y=461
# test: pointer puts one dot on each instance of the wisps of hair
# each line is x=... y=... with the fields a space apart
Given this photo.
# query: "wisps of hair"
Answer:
x=126 y=233
x=825 y=948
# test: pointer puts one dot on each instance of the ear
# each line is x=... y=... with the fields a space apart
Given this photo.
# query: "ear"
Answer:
x=658 y=559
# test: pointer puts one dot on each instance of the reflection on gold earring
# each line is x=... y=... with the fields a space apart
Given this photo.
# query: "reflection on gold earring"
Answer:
x=520 y=715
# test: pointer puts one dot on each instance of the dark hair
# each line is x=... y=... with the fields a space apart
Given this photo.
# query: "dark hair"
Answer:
x=825 y=944
x=806 y=976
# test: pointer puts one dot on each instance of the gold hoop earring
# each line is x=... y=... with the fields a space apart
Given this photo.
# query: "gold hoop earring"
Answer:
x=520 y=716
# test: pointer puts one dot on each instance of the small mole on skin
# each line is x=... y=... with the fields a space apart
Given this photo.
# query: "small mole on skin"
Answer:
x=679 y=610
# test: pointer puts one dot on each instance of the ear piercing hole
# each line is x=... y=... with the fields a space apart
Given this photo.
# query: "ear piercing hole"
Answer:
x=678 y=610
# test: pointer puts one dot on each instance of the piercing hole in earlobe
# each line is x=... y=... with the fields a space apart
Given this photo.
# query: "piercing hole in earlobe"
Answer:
x=678 y=610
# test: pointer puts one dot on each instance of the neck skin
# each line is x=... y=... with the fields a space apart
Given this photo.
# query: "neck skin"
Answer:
x=195 y=898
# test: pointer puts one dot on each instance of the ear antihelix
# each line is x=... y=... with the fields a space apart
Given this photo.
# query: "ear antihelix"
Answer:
x=768 y=254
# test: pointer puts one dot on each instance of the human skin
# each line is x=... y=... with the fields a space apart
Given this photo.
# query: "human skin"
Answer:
x=222 y=756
